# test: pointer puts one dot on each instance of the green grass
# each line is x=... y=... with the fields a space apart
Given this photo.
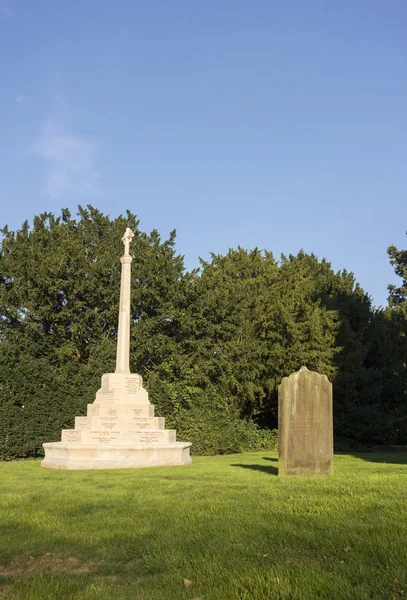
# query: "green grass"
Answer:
x=227 y=524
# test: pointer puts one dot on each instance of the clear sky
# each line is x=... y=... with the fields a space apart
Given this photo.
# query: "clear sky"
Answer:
x=276 y=124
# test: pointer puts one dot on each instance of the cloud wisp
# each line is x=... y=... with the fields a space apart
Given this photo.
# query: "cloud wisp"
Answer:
x=71 y=162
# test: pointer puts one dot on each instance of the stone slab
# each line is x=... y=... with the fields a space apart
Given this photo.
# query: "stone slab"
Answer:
x=305 y=424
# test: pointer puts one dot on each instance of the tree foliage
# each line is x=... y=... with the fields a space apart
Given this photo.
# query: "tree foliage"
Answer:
x=212 y=345
x=398 y=258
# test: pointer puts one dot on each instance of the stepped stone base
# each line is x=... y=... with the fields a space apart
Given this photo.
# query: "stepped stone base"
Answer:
x=120 y=431
x=59 y=455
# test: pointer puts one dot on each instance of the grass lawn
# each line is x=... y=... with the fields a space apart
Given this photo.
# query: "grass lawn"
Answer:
x=223 y=528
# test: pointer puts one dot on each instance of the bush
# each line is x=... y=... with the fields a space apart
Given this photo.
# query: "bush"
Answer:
x=209 y=421
x=215 y=430
x=260 y=439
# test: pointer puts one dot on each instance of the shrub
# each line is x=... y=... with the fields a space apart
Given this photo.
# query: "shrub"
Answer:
x=211 y=422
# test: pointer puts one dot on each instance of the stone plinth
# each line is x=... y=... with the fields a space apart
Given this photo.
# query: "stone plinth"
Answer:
x=119 y=431
x=305 y=425
x=59 y=455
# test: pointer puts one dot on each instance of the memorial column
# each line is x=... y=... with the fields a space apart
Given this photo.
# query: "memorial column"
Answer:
x=123 y=336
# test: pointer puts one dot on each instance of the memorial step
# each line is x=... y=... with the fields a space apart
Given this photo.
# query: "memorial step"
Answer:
x=128 y=409
x=118 y=422
x=118 y=437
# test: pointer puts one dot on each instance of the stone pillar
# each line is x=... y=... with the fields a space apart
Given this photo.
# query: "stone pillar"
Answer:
x=305 y=424
x=123 y=336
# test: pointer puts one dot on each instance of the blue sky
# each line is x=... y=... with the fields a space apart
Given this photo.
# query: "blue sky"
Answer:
x=276 y=124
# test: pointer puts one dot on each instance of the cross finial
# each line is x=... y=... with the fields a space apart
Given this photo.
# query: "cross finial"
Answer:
x=126 y=239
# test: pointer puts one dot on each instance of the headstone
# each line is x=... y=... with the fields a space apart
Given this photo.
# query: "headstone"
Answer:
x=120 y=429
x=305 y=426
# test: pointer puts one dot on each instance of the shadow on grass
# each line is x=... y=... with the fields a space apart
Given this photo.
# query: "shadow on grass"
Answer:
x=383 y=457
x=264 y=468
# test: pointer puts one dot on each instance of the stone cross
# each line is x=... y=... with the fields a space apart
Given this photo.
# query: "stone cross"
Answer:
x=120 y=430
x=126 y=239
x=123 y=334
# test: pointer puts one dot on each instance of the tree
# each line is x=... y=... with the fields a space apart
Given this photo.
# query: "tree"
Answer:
x=248 y=322
x=398 y=258
x=395 y=362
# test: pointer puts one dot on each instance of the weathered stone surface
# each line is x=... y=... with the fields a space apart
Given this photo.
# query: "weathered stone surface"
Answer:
x=305 y=425
x=120 y=429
